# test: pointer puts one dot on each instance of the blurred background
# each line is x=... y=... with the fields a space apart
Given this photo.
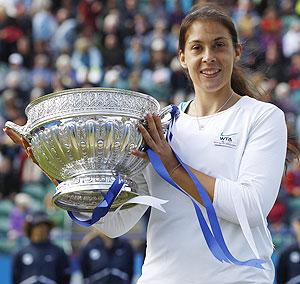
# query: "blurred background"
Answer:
x=50 y=45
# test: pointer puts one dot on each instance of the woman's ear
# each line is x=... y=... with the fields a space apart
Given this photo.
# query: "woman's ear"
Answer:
x=238 y=52
x=182 y=59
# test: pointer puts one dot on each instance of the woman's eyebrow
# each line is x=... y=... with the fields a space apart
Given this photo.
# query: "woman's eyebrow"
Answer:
x=199 y=41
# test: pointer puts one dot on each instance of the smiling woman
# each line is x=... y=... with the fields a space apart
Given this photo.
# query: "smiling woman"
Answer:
x=234 y=145
x=208 y=56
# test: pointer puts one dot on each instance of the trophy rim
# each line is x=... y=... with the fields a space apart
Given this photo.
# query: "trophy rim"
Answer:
x=95 y=89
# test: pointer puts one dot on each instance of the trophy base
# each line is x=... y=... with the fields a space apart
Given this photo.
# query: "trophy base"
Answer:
x=83 y=193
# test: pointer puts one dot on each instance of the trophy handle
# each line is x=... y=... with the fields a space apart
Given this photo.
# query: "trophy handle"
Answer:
x=163 y=113
x=19 y=130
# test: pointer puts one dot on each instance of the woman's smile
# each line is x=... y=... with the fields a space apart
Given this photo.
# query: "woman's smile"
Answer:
x=210 y=72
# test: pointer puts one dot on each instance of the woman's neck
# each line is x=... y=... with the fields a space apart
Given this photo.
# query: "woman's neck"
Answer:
x=205 y=104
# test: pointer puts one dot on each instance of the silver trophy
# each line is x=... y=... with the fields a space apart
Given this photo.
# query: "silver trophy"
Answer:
x=84 y=138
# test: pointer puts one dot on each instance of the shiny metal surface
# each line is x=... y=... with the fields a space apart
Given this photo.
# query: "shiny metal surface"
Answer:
x=84 y=138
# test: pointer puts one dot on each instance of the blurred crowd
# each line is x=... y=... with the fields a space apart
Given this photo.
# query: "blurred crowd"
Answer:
x=50 y=45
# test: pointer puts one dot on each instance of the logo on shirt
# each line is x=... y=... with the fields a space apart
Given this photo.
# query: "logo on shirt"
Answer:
x=295 y=257
x=95 y=254
x=226 y=140
x=27 y=259
x=48 y=258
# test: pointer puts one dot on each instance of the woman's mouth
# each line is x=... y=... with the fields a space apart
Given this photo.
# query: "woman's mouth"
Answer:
x=210 y=73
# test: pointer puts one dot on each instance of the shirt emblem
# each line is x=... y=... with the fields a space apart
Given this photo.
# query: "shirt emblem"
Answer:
x=95 y=254
x=295 y=257
x=226 y=140
x=27 y=259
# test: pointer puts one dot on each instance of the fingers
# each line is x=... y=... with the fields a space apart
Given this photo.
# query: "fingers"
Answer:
x=30 y=155
x=147 y=137
x=140 y=154
x=13 y=135
x=20 y=141
x=152 y=129
x=25 y=143
x=159 y=126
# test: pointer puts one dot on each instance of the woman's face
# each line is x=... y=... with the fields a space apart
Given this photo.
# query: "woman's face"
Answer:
x=209 y=56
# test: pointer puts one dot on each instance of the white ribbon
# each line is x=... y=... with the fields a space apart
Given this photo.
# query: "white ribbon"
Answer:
x=145 y=200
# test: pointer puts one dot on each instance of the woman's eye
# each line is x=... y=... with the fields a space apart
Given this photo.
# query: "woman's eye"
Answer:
x=195 y=47
x=219 y=44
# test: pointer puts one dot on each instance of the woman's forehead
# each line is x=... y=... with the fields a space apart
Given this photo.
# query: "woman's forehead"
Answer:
x=206 y=30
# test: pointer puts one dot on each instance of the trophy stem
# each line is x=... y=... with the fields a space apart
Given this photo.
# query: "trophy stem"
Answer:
x=83 y=193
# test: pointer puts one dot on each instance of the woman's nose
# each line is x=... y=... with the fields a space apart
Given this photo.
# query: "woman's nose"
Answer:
x=208 y=56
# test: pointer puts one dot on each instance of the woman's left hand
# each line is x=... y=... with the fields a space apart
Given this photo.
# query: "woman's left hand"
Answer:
x=155 y=139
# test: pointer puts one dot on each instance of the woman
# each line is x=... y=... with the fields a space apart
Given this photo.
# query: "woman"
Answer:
x=235 y=146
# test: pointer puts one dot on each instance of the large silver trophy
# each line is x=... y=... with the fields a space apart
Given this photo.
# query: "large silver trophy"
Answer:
x=84 y=138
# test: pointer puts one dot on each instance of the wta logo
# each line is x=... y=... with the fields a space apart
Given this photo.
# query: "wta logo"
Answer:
x=227 y=140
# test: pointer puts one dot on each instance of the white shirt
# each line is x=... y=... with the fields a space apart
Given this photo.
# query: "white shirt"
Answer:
x=248 y=169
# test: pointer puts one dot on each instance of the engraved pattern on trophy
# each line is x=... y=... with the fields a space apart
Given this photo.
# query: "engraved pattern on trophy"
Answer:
x=71 y=102
x=84 y=138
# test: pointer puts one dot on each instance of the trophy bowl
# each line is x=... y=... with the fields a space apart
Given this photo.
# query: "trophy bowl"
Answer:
x=84 y=138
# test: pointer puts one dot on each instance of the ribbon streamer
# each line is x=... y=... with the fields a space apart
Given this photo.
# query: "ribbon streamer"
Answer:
x=215 y=240
x=103 y=207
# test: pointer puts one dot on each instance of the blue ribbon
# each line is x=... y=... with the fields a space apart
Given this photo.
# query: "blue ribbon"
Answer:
x=215 y=240
x=103 y=207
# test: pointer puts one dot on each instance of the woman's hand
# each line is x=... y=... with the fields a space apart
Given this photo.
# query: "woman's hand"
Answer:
x=155 y=139
x=18 y=139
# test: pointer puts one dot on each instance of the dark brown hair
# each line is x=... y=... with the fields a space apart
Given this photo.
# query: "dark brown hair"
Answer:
x=212 y=12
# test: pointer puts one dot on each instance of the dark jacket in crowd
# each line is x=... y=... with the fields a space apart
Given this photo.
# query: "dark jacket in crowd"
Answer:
x=288 y=269
x=103 y=265
x=43 y=263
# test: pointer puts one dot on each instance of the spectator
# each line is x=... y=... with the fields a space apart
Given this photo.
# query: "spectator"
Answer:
x=40 y=261
x=154 y=11
x=10 y=32
x=288 y=269
x=44 y=24
x=65 y=76
x=24 y=48
x=288 y=14
x=88 y=12
x=136 y=56
x=283 y=99
x=106 y=261
x=282 y=235
x=292 y=180
x=17 y=219
x=113 y=55
x=65 y=34
x=294 y=72
x=41 y=73
x=271 y=27
x=128 y=14
x=291 y=40
x=273 y=63
x=16 y=66
x=86 y=60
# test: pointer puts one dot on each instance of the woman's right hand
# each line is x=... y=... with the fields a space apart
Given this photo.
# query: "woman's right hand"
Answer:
x=18 y=139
